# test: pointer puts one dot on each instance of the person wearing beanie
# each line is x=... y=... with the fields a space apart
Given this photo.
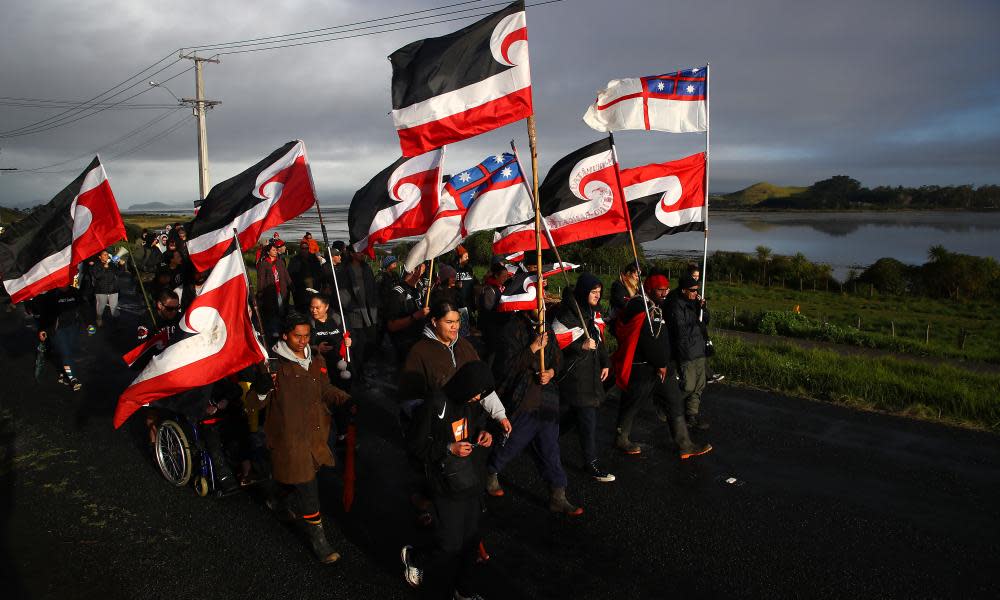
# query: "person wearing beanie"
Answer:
x=445 y=288
x=688 y=318
x=531 y=397
x=405 y=314
x=645 y=368
x=388 y=277
x=447 y=436
x=298 y=405
x=585 y=353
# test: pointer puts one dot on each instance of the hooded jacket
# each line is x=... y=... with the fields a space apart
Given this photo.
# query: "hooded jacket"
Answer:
x=580 y=381
x=687 y=331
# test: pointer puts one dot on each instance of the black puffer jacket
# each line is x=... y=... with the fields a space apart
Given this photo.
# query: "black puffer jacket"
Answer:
x=580 y=380
x=105 y=279
x=515 y=368
x=687 y=332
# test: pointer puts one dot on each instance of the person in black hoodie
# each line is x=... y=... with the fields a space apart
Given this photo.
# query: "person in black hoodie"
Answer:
x=446 y=433
x=581 y=386
x=62 y=314
x=688 y=318
x=645 y=368
x=104 y=279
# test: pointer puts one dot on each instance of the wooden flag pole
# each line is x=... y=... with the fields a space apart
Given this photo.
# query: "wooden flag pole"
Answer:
x=533 y=144
x=138 y=278
x=631 y=236
x=430 y=283
x=333 y=271
x=552 y=243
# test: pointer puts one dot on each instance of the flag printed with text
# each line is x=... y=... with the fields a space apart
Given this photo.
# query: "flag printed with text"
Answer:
x=41 y=251
x=489 y=195
x=273 y=191
x=402 y=200
x=675 y=102
x=216 y=340
x=663 y=199
x=460 y=85
x=580 y=199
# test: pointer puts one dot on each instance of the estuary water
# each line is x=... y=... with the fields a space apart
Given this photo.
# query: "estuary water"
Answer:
x=844 y=240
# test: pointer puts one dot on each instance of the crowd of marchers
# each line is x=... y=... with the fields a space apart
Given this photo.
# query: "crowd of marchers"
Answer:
x=478 y=385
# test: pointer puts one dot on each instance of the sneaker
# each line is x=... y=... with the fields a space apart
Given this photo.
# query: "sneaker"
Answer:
x=75 y=384
x=63 y=379
x=413 y=575
x=458 y=596
x=716 y=378
x=599 y=474
x=695 y=450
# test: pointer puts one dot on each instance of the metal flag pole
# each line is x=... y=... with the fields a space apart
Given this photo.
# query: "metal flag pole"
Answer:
x=552 y=243
x=708 y=113
x=533 y=145
x=631 y=236
x=333 y=270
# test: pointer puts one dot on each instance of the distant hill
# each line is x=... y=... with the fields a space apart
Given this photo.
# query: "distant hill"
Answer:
x=154 y=206
x=755 y=194
x=8 y=215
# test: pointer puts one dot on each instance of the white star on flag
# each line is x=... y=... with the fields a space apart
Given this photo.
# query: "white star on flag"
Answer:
x=464 y=177
x=659 y=86
x=690 y=88
x=506 y=172
x=694 y=70
x=499 y=159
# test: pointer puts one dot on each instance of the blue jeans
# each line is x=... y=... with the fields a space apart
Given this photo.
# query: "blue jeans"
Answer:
x=543 y=436
x=64 y=341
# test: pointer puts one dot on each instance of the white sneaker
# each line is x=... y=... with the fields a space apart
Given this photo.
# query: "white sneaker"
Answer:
x=413 y=575
x=458 y=596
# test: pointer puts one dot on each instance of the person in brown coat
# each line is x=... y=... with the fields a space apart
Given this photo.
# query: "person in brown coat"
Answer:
x=297 y=428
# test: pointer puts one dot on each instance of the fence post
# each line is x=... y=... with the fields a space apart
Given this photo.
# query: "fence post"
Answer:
x=927 y=338
x=892 y=324
x=965 y=334
x=734 y=316
x=859 y=322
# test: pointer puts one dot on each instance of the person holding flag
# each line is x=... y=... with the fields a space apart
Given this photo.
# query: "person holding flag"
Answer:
x=297 y=428
x=645 y=368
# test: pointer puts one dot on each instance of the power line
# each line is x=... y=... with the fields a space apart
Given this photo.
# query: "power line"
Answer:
x=155 y=138
x=115 y=142
x=349 y=27
x=74 y=118
x=100 y=96
x=52 y=104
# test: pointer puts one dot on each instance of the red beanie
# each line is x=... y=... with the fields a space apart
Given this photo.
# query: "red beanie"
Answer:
x=654 y=282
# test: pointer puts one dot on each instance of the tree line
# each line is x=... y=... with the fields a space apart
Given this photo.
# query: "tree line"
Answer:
x=843 y=192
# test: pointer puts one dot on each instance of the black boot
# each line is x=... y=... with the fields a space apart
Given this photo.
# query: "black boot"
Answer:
x=318 y=541
x=685 y=446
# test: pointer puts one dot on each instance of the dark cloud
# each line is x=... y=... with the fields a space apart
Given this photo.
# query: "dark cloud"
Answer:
x=893 y=92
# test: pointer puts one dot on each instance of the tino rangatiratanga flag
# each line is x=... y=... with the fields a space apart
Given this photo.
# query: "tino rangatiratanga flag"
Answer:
x=663 y=199
x=216 y=339
x=400 y=201
x=453 y=87
x=489 y=195
x=580 y=199
x=41 y=251
x=675 y=102
x=277 y=189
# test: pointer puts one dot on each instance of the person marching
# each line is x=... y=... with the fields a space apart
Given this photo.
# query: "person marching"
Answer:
x=447 y=431
x=405 y=314
x=273 y=283
x=581 y=384
x=62 y=314
x=645 y=369
x=104 y=279
x=688 y=319
x=297 y=428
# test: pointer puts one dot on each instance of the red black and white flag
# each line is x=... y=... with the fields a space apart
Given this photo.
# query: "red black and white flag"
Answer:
x=521 y=292
x=41 y=251
x=216 y=339
x=580 y=199
x=663 y=199
x=453 y=87
x=399 y=202
x=277 y=189
x=566 y=335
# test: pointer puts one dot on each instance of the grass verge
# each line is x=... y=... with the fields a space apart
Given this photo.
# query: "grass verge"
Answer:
x=935 y=392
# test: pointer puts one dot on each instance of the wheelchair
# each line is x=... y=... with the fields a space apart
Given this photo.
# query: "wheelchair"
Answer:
x=182 y=452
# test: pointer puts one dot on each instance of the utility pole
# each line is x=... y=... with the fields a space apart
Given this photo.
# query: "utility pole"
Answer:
x=199 y=106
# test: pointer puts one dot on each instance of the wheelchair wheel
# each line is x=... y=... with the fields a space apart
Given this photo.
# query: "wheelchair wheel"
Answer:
x=173 y=453
x=201 y=486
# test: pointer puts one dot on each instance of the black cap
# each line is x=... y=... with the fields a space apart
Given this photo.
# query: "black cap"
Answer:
x=688 y=282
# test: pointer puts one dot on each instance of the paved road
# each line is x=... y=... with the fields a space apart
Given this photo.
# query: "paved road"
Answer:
x=828 y=503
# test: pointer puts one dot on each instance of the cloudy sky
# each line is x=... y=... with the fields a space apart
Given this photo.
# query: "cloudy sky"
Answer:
x=898 y=92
